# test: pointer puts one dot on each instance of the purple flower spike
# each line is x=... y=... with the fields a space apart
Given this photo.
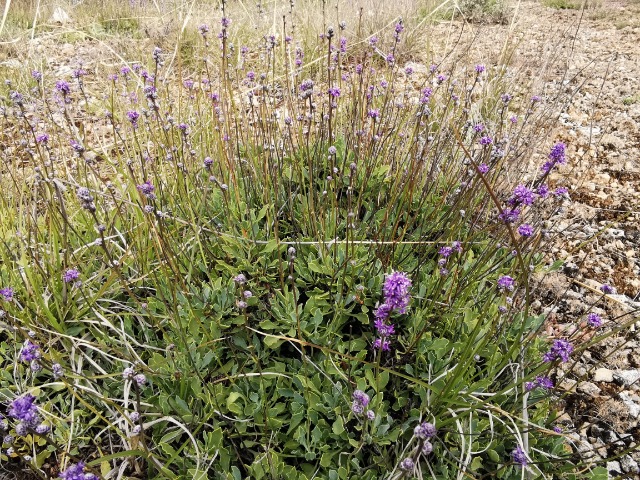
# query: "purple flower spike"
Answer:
x=594 y=320
x=7 y=294
x=607 y=289
x=147 y=189
x=425 y=430
x=560 y=350
x=381 y=344
x=506 y=283
x=522 y=195
x=408 y=465
x=360 y=397
x=30 y=352
x=540 y=382
x=25 y=410
x=133 y=117
x=63 y=87
x=556 y=157
x=396 y=291
x=384 y=329
x=525 y=230
x=486 y=140
x=70 y=275
x=76 y=472
x=509 y=215
x=518 y=456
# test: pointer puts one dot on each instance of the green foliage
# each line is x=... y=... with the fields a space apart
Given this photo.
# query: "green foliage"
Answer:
x=246 y=181
x=492 y=11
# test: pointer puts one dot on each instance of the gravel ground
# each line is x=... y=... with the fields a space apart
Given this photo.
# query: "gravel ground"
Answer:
x=593 y=57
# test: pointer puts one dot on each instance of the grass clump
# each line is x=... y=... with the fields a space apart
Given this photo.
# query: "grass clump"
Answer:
x=249 y=271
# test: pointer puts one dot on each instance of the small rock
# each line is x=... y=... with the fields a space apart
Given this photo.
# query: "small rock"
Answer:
x=615 y=233
x=570 y=269
x=59 y=16
x=614 y=468
x=629 y=465
x=627 y=377
x=612 y=142
x=603 y=375
x=634 y=408
x=568 y=385
x=589 y=389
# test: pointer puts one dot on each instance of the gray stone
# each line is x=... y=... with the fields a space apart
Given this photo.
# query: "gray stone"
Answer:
x=627 y=377
x=629 y=465
x=634 y=408
x=614 y=468
x=615 y=233
x=613 y=142
x=603 y=375
x=59 y=16
x=589 y=389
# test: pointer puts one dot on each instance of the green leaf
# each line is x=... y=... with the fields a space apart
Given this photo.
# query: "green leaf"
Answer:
x=338 y=426
x=326 y=458
x=476 y=464
x=493 y=455
x=598 y=473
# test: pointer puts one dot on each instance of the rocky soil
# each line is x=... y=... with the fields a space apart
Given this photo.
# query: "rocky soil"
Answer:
x=593 y=57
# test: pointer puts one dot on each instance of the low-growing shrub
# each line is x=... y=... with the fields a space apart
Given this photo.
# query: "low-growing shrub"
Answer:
x=251 y=273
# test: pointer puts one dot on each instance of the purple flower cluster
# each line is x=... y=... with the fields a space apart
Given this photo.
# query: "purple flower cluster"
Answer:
x=63 y=87
x=396 y=291
x=556 y=157
x=525 y=230
x=607 y=289
x=426 y=95
x=543 y=191
x=522 y=196
x=594 y=320
x=360 y=402
x=133 y=118
x=486 y=140
x=560 y=350
x=398 y=30
x=70 y=275
x=539 y=382
x=76 y=472
x=445 y=253
x=506 y=283
x=509 y=215
x=373 y=114
x=408 y=465
x=86 y=199
x=147 y=190
x=518 y=456
x=30 y=352
x=7 y=294
x=425 y=431
x=306 y=85
x=396 y=298
x=25 y=411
